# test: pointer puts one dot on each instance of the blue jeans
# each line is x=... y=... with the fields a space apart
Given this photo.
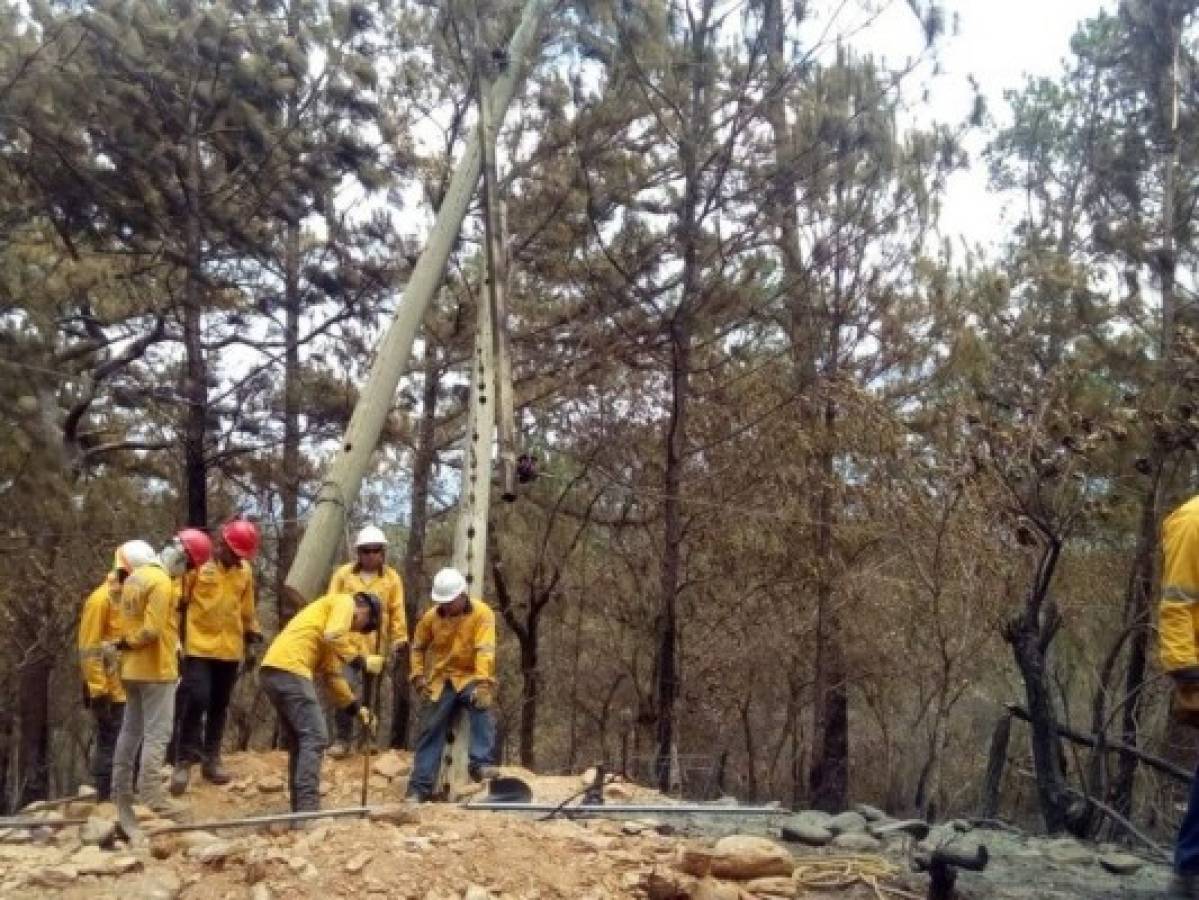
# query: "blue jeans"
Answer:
x=435 y=722
x=1186 y=851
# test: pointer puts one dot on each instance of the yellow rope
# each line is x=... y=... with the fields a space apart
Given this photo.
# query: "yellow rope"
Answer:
x=830 y=873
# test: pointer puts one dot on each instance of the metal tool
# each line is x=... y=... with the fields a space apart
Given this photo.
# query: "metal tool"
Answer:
x=629 y=809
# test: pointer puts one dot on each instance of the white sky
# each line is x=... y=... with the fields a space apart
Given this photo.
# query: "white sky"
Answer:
x=998 y=42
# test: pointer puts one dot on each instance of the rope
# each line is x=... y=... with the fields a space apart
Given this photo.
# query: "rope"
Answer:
x=830 y=873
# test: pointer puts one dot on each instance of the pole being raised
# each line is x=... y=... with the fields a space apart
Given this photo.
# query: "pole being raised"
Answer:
x=343 y=479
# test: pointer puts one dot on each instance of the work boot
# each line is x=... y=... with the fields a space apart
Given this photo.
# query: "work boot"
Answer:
x=482 y=773
x=338 y=750
x=127 y=821
x=214 y=772
x=180 y=778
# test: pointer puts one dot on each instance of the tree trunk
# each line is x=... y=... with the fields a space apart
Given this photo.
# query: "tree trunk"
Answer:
x=195 y=384
x=344 y=477
x=1029 y=648
x=666 y=671
x=33 y=703
x=414 y=551
x=996 y=763
x=289 y=475
x=530 y=689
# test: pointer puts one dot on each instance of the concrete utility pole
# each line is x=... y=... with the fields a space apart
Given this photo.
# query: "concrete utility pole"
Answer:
x=339 y=490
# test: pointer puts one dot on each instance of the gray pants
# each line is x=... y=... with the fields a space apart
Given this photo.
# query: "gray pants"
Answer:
x=302 y=724
x=149 y=715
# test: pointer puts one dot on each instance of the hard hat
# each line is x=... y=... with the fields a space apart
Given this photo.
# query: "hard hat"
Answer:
x=370 y=536
x=132 y=555
x=241 y=537
x=196 y=544
x=448 y=584
x=376 y=608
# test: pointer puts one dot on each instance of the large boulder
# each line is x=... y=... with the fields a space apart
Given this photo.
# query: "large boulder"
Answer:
x=846 y=821
x=804 y=832
x=856 y=842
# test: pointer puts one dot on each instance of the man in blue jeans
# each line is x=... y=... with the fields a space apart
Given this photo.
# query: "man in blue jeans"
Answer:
x=1178 y=634
x=453 y=666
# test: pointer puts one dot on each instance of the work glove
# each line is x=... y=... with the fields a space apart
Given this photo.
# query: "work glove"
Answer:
x=420 y=686
x=374 y=664
x=483 y=696
x=368 y=719
x=110 y=655
x=1187 y=676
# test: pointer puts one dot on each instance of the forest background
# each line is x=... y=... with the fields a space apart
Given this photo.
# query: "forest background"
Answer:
x=824 y=486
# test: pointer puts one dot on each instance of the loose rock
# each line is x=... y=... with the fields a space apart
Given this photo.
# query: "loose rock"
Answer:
x=260 y=892
x=1066 y=852
x=1121 y=863
x=54 y=876
x=869 y=813
x=474 y=892
x=391 y=765
x=98 y=831
x=856 y=842
x=845 y=822
x=271 y=784
x=771 y=887
x=396 y=814
x=807 y=833
x=358 y=862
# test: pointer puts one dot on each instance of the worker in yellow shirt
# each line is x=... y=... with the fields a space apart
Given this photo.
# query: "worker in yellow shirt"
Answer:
x=104 y=696
x=371 y=574
x=453 y=666
x=147 y=651
x=1178 y=649
x=219 y=625
x=319 y=638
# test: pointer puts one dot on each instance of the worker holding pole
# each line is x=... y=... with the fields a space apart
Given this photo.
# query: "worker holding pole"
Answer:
x=453 y=666
x=218 y=629
x=369 y=573
x=103 y=693
x=320 y=638
x=147 y=653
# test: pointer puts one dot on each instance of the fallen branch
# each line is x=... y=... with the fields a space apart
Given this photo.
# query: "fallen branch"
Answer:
x=1089 y=740
x=1120 y=820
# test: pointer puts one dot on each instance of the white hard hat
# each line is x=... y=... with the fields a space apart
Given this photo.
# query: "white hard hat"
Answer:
x=133 y=555
x=370 y=536
x=448 y=584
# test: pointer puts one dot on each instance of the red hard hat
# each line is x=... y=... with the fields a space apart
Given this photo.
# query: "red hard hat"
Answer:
x=241 y=537
x=196 y=544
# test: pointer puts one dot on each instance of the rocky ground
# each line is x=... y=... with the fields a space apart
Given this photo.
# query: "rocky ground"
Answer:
x=443 y=852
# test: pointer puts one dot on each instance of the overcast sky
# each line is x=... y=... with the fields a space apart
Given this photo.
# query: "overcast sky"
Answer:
x=998 y=42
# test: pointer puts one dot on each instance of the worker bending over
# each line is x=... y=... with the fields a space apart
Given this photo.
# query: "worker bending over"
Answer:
x=453 y=665
x=149 y=665
x=320 y=638
x=369 y=573
x=103 y=694
x=218 y=628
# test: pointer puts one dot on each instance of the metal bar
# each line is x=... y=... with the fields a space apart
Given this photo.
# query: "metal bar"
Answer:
x=251 y=821
x=39 y=823
x=626 y=809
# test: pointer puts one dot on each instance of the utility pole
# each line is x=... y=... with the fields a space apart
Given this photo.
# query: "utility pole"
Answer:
x=343 y=480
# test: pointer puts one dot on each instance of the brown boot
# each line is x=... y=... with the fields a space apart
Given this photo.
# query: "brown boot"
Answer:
x=214 y=772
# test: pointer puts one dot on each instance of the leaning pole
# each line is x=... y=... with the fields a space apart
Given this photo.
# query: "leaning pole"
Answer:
x=343 y=479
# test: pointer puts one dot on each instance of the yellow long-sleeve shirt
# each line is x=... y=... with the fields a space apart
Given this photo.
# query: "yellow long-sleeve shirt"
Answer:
x=460 y=649
x=99 y=621
x=150 y=626
x=1178 y=611
x=389 y=588
x=318 y=639
x=219 y=610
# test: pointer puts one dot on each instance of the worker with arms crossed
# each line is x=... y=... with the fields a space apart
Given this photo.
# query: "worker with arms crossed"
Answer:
x=219 y=629
x=319 y=638
x=103 y=694
x=453 y=666
x=149 y=665
x=1178 y=633
x=369 y=573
